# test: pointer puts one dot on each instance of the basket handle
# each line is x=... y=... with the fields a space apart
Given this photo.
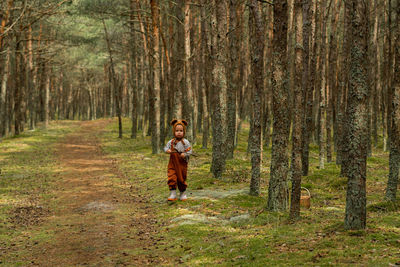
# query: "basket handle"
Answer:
x=308 y=191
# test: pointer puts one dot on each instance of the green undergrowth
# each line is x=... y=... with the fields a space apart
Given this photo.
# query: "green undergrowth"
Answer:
x=222 y=225
x=28 y=168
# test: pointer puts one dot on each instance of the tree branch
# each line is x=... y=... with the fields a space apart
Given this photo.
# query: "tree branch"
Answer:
x=15 y=22
x=266 y=2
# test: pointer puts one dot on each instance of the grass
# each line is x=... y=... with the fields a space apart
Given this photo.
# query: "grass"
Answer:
x=27 y=170
x=233 y=230
x=262 y=238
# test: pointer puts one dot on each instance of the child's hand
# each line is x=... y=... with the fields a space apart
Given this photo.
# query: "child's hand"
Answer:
x=168 y=151
x=183 y=155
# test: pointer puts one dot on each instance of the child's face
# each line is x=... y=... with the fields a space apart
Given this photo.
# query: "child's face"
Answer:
x=179 y=131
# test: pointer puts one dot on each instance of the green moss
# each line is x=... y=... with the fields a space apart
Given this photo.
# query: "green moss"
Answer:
x=262 y=238
x=386 y=206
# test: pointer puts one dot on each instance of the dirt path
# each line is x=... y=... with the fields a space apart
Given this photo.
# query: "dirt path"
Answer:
x=98 y=219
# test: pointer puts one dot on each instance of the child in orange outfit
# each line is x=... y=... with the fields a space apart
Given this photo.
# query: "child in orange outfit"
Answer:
x=179 y=150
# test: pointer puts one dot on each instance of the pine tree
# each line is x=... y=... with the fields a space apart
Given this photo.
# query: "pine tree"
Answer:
x=278 y=189
x=357 y=113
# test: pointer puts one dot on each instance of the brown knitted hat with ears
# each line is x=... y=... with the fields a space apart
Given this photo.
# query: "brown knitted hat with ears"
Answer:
x=176 y=122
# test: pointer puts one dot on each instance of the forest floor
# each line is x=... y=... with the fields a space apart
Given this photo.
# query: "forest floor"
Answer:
x=63 y=203
x=76 y=195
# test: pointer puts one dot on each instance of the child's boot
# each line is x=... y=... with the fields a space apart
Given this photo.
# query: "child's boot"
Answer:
x=172 y=196
x=183 y=196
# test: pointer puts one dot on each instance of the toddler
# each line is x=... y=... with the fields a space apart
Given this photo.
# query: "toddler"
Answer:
x=179 y=150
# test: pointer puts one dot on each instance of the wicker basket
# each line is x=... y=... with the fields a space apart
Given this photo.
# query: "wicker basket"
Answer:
x=305 y=200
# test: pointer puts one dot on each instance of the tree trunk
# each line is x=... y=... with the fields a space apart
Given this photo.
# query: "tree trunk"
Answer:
x=332 y=78
x=133 y=70
x=394 y=157
x=233 y=76
x=4 y=21
x=298 y=113
x=3 y=93
x=60 y=97
x=206 y=63
x=32 y=83
x=179 y=61
x=323 y=97
x=155 y=139
x=357 y=113
x=219 y=44
x=188 y=89
x=389 y=73
x=375 y=77
x=18 y=86
x=257 y=72
x=133 y=83
x=115 y=85
x=268 y=18
x=46 y=97
x=345 y=87
x=195 y=33
x=278 y=189
x=9 y=105
x=308 y=80
x=145 y=76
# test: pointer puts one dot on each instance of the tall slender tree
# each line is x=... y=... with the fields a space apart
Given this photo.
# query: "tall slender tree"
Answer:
x=322 y=93
x=219 y=46
x=394 y=157
x=206 y=64
x=233 y=75
x=278 y=189
x=388 y=69
x=257 y=79
x=155 y=15
x=308 y=87
x=3 y=93
x=133 y=71
x=357 y=113
x=188 y=88
x=298 y=113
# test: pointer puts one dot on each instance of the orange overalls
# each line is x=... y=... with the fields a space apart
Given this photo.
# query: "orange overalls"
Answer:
x=177 y=170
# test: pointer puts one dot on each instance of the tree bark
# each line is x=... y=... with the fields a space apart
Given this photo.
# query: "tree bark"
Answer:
x=3 y=93
x=375 y=77
x=278 y=190
x=268 y=17
x=394 y=156
x=4 y=21
x=133 y=70
x=308 y=80
x=298 y=113
x=219 y=44
x=206 y=63
x=46 y=97
x=18 y=85
x=345 y=87
x=389 y=73
x=323 y=98
x=145 y=64
x=233 y=76
x=179 y=50
x=357 y=113
x=257 y=72
x=155 y=140
x=187 y=89
x=332 y=78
